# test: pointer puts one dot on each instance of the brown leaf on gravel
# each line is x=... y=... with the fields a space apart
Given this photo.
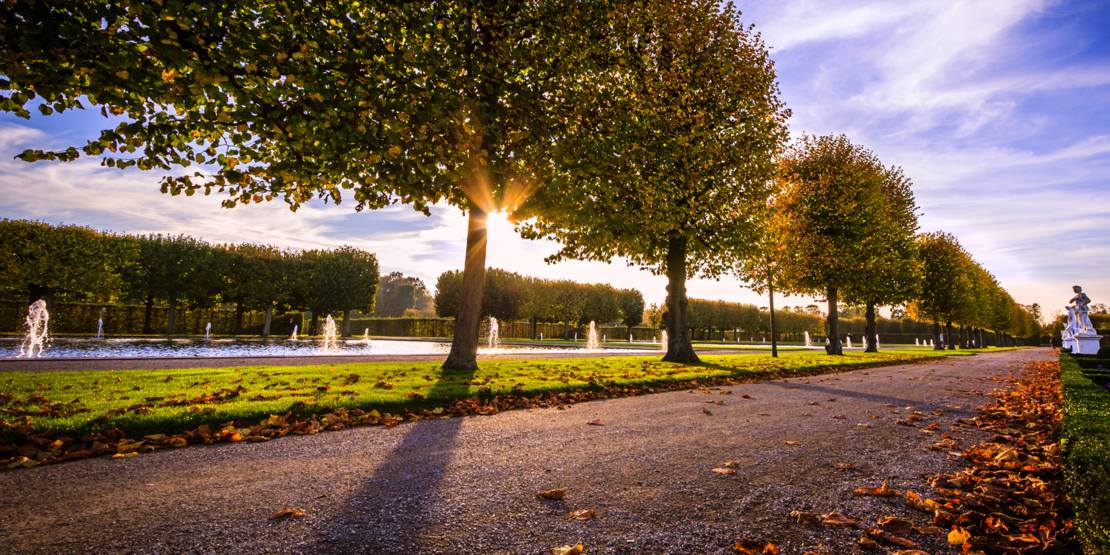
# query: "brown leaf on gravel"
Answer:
x=838 y=519
x=583 y=514
x=290 y=512
x=804 y=518
x=595 y=423
x=910 y=552
x=746 y=396
x=706 y=412
x=557 y=493
x=866 y=543
x=724 y=471
x=893 y=539
x=844 y=466
x=882 y=491
x=896 y=526
x=792 y=442
x=753 y=547
x=576 y=549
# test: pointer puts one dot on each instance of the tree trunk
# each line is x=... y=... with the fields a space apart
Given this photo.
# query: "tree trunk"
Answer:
x=679 y=348
x=771 y=307
x=938 y=345
x=533 y=330
x=171 y=315
x=464 y=346
x=948 y=340
x=347 y=323
x=871 y=330
x=832 y=323
x=238 y=317
x=146 y=315
x=267 y=319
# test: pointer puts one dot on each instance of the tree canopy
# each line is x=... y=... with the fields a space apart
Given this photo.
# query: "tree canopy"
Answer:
x=669 y=151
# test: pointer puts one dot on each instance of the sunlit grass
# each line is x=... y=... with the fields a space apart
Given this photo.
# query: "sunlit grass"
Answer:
x=169 y=401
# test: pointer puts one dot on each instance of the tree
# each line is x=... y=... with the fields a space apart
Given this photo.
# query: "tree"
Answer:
x=631 y=308
x=828 y=206
x=374 y=102
x=669 y=151
x=38 y=260
x=891 y=275
x=944 y=284
x=398 y=293
x=259 y=277
x=340 y=280
x=170 y=269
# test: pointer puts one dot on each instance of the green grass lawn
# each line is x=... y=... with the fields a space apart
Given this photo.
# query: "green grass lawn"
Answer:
x=1086 y=437
x=170 y=401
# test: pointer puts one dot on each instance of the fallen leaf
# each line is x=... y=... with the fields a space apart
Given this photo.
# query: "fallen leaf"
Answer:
x=706 y=412
x=726 y=471
x=583 y=514
x=958 y=536
x=557 y=493
x=792 y=442
x=752 y=547
x=804 y=518
x=838 y=519
x=895 y=525
x=844 y=466
x=882 y=491
x=594 y=423
x=576 y=549
x=291 y=512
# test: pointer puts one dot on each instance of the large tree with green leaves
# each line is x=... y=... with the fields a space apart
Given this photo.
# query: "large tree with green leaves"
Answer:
x=891 y=274
x=38 y=260
x=669 y=152
x=373 y=102
x=830 y=202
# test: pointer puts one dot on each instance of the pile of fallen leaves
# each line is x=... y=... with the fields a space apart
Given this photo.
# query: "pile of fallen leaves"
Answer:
x=1010 y=498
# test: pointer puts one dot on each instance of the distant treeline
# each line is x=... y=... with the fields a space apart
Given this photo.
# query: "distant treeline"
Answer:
x=72 y=263
x=511 y=296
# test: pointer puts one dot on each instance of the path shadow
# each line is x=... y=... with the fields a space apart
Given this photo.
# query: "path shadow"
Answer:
x=392 y=509
x=873 y=397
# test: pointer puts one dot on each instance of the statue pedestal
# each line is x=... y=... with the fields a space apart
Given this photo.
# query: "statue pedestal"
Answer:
x=1082 y=344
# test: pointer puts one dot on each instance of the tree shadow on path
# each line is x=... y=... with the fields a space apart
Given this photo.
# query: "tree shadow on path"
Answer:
x=936 y=402
x=393 y=508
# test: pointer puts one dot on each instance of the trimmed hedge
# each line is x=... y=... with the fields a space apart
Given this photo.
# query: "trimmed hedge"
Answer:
x=1086 y=441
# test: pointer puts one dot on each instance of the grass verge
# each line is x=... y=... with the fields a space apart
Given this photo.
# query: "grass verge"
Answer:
x=1086 y=439
x=51 y=411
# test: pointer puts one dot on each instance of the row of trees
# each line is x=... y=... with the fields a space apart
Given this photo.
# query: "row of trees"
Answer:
x=958 y=291
x=511 y=296
x=652 y=131
x=77 y=263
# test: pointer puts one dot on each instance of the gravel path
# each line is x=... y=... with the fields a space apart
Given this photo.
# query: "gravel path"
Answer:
x=467 y=485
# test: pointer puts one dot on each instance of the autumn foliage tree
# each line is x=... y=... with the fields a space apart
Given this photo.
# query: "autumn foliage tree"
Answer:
x=371 y=102
x=669 y=151
x=891 y=274
x=830 y=203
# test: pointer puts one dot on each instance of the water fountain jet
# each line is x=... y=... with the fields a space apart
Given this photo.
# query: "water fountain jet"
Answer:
x=294 y=336
x=592 y=344
x=331 y=334
x=809 y=342
x=37 y=336
x=494 y=334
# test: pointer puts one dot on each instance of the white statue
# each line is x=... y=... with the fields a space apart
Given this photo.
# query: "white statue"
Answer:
x=1082 y=315
x=1079 y=335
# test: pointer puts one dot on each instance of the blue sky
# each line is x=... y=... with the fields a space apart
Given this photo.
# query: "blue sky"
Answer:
x=999 y=110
